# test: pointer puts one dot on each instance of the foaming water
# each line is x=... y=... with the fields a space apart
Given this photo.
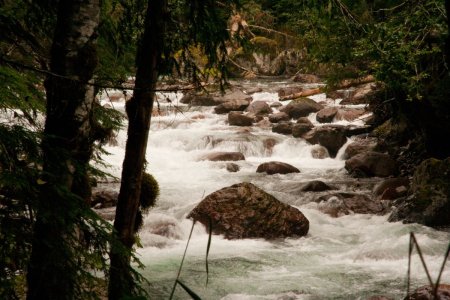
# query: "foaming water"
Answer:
x=351 y=257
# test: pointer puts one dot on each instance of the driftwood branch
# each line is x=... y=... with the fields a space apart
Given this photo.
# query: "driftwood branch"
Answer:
x=304 y=93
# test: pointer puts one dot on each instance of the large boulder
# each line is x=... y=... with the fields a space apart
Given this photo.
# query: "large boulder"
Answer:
x=236 y=118
x=224 y=156
x=332 y=138
x=302 y=126
x=276 y=167
x=259 y=107
x=429 y=203
x=349 y=114
x=198 y=99
x=245 y=211
x=326 y=115
x=427 y=293
x=316 y=186
x=359 y=146
x=341 y=203
x=278 y=117
x=301 y=107
x=362 y=94
x=370 y=164
x=283 y=127
x=391 y=188
x=233 y=105
x=202 y=98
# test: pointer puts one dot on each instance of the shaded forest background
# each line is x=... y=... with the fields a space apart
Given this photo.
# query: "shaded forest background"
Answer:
x=56 y=56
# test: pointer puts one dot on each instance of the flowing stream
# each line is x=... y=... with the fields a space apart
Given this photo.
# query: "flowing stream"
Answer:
x=351 y=257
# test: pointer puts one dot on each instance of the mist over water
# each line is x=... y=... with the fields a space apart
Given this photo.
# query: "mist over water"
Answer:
x=351 y=257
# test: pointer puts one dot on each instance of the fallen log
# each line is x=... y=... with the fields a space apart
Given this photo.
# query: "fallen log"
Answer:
x=304 y=93
x=346 y=83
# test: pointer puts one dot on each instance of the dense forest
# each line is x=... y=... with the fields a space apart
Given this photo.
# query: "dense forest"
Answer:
x=59 y=58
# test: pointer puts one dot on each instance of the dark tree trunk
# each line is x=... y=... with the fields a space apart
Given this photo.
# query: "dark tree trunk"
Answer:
x=139 y=110
x=447 y=42
x=67 y=146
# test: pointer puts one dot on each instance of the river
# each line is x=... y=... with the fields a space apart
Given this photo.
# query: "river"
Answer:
x=351 y=257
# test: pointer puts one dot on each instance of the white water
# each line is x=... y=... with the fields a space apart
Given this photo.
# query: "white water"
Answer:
x=352 y=257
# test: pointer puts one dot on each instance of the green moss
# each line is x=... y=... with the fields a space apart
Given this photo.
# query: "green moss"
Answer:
x=149 y=191
x=262 y=44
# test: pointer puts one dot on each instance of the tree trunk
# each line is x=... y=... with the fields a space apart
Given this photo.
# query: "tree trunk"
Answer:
x=447 y=41
x=139 y=110
x=66 y=146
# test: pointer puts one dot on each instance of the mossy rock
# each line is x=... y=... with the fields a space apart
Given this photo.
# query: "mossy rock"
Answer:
x=149 y=191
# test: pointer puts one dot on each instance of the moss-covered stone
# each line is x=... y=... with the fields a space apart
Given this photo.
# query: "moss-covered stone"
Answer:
x=149 y=191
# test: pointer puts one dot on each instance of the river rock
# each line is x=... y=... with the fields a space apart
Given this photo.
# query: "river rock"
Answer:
x=304 y=120
x=245 y=211
x=302 y=126
x=276 y=104
x=319 y=152
x=340 y=204
x=362 y=94
x=233 y=105
x=332 y=138
x=359 y=146
x=268 y=144
x=429 y=203
x=283 y=127
x=370 y=164
x=426 y=293
x=316 y=186
x=276 y=167
x=259 y=107
x=391 y=188
x=301 y=107
x=278 y=117
x=379 y=298
x=349 y=114
x=224 y=156
x=232 y=94
x=326 y=115
x=253 y=90
x=306 y=78
x=232 y=167
x=198 y=99
x=238 y=119
x=104 y=198
x=341 y=94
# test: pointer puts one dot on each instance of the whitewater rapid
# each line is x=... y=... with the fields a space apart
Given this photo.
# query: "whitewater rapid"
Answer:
x=351 y=257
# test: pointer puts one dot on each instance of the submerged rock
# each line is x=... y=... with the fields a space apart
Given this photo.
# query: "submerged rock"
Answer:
x=276 y=167
x=232 y=167
x=340 y=204
x=371 y=164
x=429 y=203
x=426 y=293
x=224 y=156
x=245 y=211
x=316 y=186
x=236 y=118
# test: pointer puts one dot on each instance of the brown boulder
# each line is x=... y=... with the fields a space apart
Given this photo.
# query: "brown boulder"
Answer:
x=349 y=114
x=283 y=127
x=245 y=211
x=360 y=146
x=285 y=91
x=198 y=99
x=236 y=118
x=316 y=186
x=233 y=105
x=278 y=117
x=391 y=188
x=259 y=107
x=276 y=167
x=370 y=164
x=332 y=138
x=326 y=115
x=224 y=156
x=362 y=94
x=301 y=107
x=299 y=129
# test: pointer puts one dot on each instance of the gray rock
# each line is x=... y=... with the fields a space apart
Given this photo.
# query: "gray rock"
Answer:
x=245 y=211
x=232 y=167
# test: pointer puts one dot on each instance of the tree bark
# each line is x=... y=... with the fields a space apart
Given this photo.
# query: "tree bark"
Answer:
x=66 y=146
x=139 y=109
x=447 y=41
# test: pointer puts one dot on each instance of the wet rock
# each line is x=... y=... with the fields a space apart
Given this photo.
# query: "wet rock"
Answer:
x=276 y=167
x=319 y=152
x=251 y=91
x=232 y=167
x=349 y=114
x=370 y=164
x=264 y=123
x=429 y=203
x=306 y=78
x=276 y=104
x=259 y=107
x=379 y=298
x=224 y=156
x=283 y=127
x=104 y=198
x=332 y=138
x=285 y=91
x=362 y=94
x=340 y=204
x=198 y=99
x=268 y=145
x=246 y=211
x=238 y=119
x=326 y=115
x=316 y=186
x=278 y=117
x=233 y=105
x=301 y=107
x=360 y=146
x=231 y=95
x=304 y=120
x=427 y=293
x=391 y=188
x=341 y=94
x=299 y=129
